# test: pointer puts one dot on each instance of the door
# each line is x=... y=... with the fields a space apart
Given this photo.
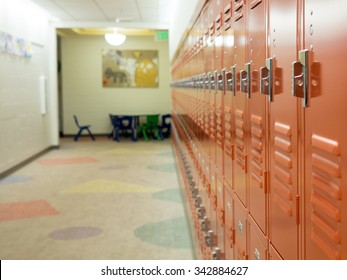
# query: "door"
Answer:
x=283 y=130
x=239 y=101
x=230 y=80
x=325 y=183
x=257 y=116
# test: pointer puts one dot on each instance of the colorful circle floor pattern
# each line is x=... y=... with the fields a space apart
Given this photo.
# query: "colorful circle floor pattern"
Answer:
x=74 y=233
x=173 y=233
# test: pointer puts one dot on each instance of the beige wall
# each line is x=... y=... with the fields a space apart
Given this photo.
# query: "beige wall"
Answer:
x=84 y=95
x=24 y=131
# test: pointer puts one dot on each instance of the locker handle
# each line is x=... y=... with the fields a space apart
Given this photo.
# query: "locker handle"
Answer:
x=246 y=79
x=300 y=77
x=231 y=79
x=266 y=79
x=221 y=80
x=211 y=81
x=215 y=81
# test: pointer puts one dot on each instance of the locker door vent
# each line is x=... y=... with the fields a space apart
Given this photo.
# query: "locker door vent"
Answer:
x=257 y=150
x=254 y=3
x=227 y=17
x=238 y=12
x=283 y=183
x=240 y=139
x=326 y=196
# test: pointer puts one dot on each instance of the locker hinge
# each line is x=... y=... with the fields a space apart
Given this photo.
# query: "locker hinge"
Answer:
x=232 y=152
x=233 y=233
x=266 y=179
x=297 y=201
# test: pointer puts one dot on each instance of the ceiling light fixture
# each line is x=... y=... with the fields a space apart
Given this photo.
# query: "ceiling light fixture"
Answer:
x=115 y=39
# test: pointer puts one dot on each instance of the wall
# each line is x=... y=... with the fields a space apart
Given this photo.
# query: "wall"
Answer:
x=24 y=130
x=180 y=22
x=84 y=95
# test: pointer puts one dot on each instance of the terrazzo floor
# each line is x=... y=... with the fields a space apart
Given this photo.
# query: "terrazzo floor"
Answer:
x=95 y=200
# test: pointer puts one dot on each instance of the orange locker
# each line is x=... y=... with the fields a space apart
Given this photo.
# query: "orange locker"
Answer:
x=240 y=100
x=283 y=130
x=218 y=252
x=229 y=230
x=258 y=105
x=323 y=66
x=241 y=229
x=230 y=83
x=220 y=85
x=257 y=116
x=258 y=242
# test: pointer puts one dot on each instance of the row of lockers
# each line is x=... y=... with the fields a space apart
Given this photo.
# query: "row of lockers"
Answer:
x=259 y=107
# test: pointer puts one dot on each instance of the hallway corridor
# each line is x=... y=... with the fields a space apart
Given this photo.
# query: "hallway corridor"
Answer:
x=95 y=200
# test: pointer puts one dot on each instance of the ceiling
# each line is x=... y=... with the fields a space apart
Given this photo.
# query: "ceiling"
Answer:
x=134 y=14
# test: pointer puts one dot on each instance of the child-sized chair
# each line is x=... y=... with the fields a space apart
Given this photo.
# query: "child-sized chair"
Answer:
x=81 y=128
x=165 y=126
x=151 y=126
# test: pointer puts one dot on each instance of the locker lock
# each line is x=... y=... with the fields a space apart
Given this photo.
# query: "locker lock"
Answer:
x=217 y=254
x=204 y=224
x=209 y=238
x=201 y=211
x=197 y=201
x=192 y=185
x=194 y=192
x=240 y=226
x=256 y=254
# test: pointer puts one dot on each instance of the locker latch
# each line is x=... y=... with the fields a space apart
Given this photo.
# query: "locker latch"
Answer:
x=300 y=76
x=245 y=76
x=221 y=80
x=266 y=78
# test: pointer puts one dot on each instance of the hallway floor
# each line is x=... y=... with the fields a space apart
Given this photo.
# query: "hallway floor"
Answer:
x=95 y=200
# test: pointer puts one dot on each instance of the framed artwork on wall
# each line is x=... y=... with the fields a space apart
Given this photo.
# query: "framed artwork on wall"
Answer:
x=130 y=68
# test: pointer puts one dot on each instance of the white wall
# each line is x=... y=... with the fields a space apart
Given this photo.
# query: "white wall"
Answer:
x=84 y=95
x=182 y=12
x=24 y=131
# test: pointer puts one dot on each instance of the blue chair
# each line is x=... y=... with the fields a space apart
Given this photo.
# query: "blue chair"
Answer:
x=165 y=126
x=115 y=130
x=81 y=128
x=126 y=125
x=122 y=125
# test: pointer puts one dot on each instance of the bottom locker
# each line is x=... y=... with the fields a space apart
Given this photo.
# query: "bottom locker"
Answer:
x=229 y=231
x=258 y=242
x=218 y=253
x=240 y=220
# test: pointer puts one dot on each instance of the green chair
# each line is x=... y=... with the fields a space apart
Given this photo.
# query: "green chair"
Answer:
x=151 y=126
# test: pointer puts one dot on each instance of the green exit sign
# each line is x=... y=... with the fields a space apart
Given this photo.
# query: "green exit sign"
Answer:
x=162 y=35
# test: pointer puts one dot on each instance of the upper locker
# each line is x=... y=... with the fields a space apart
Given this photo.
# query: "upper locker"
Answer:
x=257 y=114
x=322 y=64
x=283 y=128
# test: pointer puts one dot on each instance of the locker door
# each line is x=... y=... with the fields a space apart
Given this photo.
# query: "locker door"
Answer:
x=258 y=249
x=241 y=229
x=283 y=129
x=228 y=60
x=257 y=115
x=325 y=130
x=220 y=85
x=229 y=225
x=239 y=101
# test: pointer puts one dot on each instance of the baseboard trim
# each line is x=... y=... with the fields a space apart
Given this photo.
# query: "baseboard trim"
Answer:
x=27 y=161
